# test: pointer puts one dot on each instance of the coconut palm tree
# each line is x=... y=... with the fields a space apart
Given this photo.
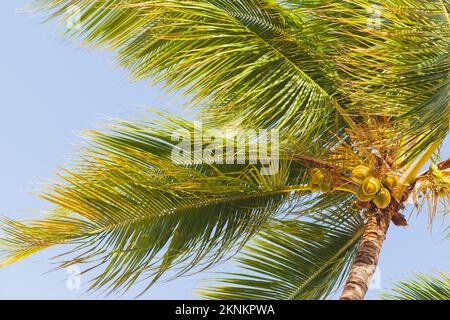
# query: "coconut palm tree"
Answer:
x=358 y=92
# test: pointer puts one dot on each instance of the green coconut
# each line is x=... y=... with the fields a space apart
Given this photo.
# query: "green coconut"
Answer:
x=370 y=186
x=318 y=177
x=391 y=180
x=364 y=197
x=382 y=198
x=360 y=172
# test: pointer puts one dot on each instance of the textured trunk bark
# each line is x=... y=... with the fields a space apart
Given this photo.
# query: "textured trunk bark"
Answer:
x=366 y=259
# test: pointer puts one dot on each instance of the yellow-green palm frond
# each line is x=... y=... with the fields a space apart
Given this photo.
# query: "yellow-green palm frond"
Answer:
x=393 y=58
x=295 y=259
x=310 y=68
x=422 y=287
x=250 y=61
x=132 y=211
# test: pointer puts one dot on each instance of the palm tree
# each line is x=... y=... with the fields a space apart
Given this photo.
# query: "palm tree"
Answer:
x=359 y=93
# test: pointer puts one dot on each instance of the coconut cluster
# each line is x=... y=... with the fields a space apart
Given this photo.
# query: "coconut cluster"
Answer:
x=437 y=181
x=373 y=188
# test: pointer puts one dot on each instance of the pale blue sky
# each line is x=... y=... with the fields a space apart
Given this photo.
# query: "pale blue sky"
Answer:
x=50 y=91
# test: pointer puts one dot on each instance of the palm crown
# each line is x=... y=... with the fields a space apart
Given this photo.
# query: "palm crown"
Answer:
x=359 y=93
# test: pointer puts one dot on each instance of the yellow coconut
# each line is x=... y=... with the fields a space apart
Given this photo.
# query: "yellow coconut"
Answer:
x=360 y=172
x=318 y=177
x=370 y=186
x=364 y=197
x=391 y=180
x=383 y=198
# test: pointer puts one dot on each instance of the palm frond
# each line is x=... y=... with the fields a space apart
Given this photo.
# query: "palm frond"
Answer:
x=422 y=287
x=394 y=61
x=133 y=211
x=294 y=259
x=252 y=61
x=311 y=68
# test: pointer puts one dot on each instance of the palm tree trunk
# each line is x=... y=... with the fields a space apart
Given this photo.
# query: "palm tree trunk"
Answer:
x=366 y=259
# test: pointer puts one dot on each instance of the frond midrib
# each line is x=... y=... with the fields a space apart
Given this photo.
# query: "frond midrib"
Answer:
x=116 y=225
x=333 y=101
x=188 y=207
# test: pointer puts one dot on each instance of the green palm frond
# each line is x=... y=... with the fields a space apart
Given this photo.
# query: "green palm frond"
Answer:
x=311 y=68
x=251 y=60
x=394 y=61
x=131 y=210
x=423 y=287
x=294 y=259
